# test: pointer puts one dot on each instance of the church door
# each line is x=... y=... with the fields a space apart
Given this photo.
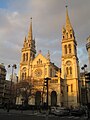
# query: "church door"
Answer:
x=37 y=98
x=53 y=98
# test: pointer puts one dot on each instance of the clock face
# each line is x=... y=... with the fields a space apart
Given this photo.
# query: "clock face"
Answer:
x=38 y=72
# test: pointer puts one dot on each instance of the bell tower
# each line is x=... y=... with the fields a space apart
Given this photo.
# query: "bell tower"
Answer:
x=27 y=55
x=70 y=64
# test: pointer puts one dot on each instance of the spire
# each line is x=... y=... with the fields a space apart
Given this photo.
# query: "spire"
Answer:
x=68 y=23
x=25 y=39
x=30 y=31
x=48 y=55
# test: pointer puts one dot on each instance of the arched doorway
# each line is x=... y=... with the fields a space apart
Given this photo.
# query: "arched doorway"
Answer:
x=53 y=98
x=37 y=98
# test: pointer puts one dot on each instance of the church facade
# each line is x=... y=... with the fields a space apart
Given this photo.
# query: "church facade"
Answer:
x=62 y=83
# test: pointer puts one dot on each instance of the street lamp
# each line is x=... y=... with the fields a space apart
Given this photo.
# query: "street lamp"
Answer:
x=84 y=68
x=14 y=66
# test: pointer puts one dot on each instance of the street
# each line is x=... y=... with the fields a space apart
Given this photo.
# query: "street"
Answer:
x=29 y=115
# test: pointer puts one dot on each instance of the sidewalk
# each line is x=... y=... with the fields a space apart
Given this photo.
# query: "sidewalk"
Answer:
x=35 y=112
x=12 y=111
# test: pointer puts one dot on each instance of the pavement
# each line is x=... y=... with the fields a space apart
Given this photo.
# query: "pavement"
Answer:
x=26 y=112
x=37 y=113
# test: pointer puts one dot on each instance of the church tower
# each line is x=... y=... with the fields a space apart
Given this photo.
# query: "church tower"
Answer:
x=27 y=55
x=70 y=64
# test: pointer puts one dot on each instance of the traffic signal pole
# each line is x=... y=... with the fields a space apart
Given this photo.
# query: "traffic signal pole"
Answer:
x=46 y=84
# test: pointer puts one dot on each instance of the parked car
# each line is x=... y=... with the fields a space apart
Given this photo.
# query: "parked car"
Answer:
x=78 y=111
x=60 y=111
x=52 y=110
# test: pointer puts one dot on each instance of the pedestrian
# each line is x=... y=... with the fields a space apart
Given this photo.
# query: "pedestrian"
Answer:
x=8 y=106
x=5 y=106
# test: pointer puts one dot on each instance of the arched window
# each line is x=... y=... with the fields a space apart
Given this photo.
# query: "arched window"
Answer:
x=70 y=35
x=69 y=47
x=70 y=70
x=67 y=72
x=24 y=73
x=67 y=35
x=39 y=61
x=71 y=87
x=51 y=72
x=24 y=57
x=65 y=47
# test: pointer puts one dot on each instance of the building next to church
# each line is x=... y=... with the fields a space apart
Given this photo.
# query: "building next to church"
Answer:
x=88 y=50
x=63 y=83
x=4 y=85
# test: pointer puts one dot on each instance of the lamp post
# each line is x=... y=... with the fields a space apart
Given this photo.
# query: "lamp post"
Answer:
x=84 y=68
x=13 y=67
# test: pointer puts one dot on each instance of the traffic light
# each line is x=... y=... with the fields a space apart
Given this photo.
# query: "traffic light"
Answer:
x=87 y=77
x=45 y=82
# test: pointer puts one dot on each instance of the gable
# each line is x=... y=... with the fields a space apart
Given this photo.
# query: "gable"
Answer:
x=39 y=59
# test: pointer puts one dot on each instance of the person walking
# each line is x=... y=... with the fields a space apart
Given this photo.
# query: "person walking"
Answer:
x=8 y=106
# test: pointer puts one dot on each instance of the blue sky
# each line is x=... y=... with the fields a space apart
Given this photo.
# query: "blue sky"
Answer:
x=3 y=4
x=48 y=20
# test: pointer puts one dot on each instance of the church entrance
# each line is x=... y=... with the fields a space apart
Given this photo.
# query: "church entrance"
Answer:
x=53 y=98
x=37 y=98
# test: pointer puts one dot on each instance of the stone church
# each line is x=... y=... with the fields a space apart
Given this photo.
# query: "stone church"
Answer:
x=35 y=69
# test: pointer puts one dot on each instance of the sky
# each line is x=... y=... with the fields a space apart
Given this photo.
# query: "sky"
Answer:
x=48 y=18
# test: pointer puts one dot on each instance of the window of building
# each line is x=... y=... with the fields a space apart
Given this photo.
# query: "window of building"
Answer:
x=67 y=71
x=65 y=47
x=70 y=35
x=51 y=72
x=24 y=57
x=67 y=35
x=69 y=46
x=71 y=87
x=70 y=70
x=39 y=61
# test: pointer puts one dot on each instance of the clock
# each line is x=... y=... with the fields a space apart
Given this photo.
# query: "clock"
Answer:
x=38 y=72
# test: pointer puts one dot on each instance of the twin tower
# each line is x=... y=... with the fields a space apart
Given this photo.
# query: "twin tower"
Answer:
x=63 y=87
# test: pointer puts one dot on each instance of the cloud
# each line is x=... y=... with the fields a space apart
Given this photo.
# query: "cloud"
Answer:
x=48 y=19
